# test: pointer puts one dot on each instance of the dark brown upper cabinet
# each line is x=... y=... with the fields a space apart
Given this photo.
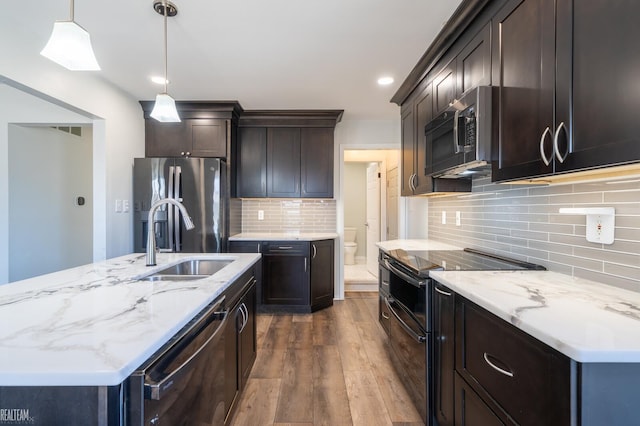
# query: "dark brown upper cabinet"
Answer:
x=565 y=82
x=316 y=162
x=444 y=88
x=473 y=63
x=524 y=61
x=286 y=154
x=283 y=162
x=207 y=129
x=415 y=115
x=252 y=155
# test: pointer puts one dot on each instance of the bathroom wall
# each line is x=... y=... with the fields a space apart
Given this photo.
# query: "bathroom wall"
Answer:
x=524 y=222
x=289 y=215
x=355 y=202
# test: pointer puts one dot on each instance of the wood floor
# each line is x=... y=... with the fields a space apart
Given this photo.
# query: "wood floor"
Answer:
x=326 y=368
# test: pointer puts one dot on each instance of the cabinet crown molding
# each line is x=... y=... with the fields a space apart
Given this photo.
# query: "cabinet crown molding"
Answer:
x=291 y=118
x=201 y=109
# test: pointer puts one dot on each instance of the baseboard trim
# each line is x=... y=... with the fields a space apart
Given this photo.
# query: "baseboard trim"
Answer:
x=360 y=287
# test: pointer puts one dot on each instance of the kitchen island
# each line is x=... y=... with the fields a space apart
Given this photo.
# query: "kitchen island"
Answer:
x=70 y=340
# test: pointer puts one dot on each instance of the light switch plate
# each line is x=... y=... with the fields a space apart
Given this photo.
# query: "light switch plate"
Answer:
x=458 y=218
x=260 y=214
x=125 y=206
x=444 y=218
x=118 y=206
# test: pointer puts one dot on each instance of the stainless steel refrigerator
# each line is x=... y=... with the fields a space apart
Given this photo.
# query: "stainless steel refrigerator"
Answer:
x=198 y=183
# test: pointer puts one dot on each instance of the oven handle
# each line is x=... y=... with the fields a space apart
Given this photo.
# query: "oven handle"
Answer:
x=408 y=278
x=156 y=390
x=416 y=336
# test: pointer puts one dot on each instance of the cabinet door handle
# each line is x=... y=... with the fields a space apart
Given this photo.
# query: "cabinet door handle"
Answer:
x=556 y=149
x=305 y=264
x=495 y=367
x=258 y=247
x=442 y=292
x=546 y=160
x=315 y=251
x=244 y=314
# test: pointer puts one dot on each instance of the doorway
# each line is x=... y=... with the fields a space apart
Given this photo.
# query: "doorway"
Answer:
x=367 y=210
x=50 y=198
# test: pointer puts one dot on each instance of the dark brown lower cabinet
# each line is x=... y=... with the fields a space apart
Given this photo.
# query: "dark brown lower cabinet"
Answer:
x=285 y=274
x=297 y=276
x=321 y=275
x=470 y=409
x=529 y=380
x=240 y=339
x=443 y=354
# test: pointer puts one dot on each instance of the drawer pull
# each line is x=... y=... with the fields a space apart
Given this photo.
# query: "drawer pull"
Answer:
x=444 y=293
x=495 y=367
x=285 y=247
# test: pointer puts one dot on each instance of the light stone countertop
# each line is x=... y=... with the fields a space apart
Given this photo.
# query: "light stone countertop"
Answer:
x=585 y=320
x=95 y=324
x=283 y=236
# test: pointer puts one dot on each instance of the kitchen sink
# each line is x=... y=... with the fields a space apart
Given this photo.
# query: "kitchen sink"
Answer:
x=193 y=269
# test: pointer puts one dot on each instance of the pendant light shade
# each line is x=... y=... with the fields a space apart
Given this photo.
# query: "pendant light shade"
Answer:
x=70 y=46
x=164 y=109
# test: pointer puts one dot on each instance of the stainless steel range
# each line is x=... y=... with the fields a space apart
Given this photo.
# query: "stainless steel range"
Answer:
x=407 y=291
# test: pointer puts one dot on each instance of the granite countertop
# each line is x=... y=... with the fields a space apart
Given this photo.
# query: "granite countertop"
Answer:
x=415 y=245
x=283 y=236
x=585 y=320
x=95 y=324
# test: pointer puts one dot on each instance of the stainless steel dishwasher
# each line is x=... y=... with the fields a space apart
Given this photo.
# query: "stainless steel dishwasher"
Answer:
x=183 y=383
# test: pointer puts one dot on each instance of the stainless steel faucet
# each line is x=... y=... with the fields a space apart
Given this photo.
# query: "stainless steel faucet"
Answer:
x=151 y=235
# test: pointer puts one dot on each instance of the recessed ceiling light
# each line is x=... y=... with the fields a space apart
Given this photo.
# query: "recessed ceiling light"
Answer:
x=158 y=80
x=385 y=81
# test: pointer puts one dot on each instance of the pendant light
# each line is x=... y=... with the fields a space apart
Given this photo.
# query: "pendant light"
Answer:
x=164 y=109
x=70 y=46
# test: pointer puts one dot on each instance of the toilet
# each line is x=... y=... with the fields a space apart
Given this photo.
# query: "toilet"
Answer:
x=350 y=246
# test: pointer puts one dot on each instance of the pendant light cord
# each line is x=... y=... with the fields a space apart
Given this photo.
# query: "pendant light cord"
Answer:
x=164 y=3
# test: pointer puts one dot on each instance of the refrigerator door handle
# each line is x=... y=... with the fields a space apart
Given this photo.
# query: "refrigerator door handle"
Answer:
x=176 y=195
x=170 y=208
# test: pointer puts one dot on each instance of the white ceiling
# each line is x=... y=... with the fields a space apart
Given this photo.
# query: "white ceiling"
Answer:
x=267 y=54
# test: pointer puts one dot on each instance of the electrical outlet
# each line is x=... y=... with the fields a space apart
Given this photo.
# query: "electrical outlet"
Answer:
x=444 y=217
x=458 y=218
x=260 y=214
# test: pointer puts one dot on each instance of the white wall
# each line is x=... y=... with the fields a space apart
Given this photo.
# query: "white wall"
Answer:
x=48 y=170
x=118 y=128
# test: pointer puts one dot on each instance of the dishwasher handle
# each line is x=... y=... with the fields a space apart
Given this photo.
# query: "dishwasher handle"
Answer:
x=155 y=389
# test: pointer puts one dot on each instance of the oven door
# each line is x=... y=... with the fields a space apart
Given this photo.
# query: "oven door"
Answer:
x=410 y=352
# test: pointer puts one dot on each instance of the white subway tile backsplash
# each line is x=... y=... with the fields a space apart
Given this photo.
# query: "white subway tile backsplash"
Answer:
x=289 y=215
x=523 y=222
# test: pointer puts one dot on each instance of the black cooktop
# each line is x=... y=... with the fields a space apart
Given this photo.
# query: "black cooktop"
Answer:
x=421 y=262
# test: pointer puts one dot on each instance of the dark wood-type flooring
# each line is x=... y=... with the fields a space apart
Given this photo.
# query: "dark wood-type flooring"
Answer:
x=326 y=368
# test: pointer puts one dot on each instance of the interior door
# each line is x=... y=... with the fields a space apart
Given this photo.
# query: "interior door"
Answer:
x=373 y=217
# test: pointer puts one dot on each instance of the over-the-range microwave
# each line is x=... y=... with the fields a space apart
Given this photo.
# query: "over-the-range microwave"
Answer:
x=459 y=139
